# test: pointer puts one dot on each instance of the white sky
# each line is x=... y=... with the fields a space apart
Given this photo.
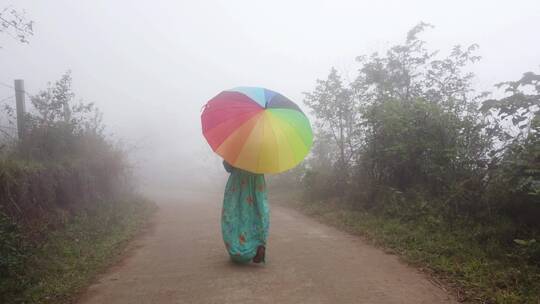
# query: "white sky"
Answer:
x=151 y=65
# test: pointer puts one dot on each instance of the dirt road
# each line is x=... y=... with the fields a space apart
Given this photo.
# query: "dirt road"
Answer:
x=181 y=259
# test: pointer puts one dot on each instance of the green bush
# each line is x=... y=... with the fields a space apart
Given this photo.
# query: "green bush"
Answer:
x=13 y=256
x=63 y=187
x=410 y=144
x=55 y=267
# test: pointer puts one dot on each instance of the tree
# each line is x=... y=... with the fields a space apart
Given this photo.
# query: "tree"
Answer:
x=410 y=71
x=58 y=122
x=515 y=164
x=420 y=118
x=512 y=116
x=14 y=24
x=56 y=105
x=398 y=74
x=409 y=121
x=334 y=106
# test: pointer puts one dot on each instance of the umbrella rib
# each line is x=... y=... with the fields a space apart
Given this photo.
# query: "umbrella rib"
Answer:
x=299 y=138
x=275 y=137
x=297 y=131
x=259 y=154
x=289 y=146
x=293 y=127
x=246 y=137
x=251 y=113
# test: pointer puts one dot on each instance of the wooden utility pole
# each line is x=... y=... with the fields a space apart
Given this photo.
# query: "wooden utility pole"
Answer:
x=19 y=98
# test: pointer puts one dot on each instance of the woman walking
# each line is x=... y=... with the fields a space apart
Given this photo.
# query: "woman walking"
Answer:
x=256 y=131
x=245 y=216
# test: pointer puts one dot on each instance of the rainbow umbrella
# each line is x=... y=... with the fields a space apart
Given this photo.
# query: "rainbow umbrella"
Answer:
x=256 y=129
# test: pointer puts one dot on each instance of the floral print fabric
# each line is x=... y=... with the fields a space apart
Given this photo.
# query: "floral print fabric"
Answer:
x=245 y=215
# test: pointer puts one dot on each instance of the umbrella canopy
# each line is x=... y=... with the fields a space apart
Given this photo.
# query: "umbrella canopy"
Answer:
x=257 y=130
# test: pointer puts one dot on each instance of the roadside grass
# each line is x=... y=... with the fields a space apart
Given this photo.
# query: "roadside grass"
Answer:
x=57 y=269
x=466 y=257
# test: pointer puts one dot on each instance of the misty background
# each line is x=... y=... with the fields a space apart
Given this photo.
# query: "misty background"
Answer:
x=151 y=65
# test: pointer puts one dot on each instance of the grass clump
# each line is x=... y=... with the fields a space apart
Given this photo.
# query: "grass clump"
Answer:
x=57 y=267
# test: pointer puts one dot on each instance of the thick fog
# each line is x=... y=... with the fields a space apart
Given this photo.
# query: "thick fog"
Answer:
x=151 y=65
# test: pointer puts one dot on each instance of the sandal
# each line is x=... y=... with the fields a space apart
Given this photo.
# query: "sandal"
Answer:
x=259 y=257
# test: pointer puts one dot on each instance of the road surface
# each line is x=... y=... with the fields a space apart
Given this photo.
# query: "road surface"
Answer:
x=181 y=259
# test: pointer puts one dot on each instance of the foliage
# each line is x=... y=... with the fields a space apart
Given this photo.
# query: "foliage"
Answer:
x=412 y=145
x=54 y=269
x=284 y=180
x=54 y=232
x=319 y=180
x=38 y=195
x=419 y=118
x=417 y=143
x=411 y=121
x=513 y=116
x=516 y=161
x=13 y=254
x=56 y=105
x=334 y=105
x=14 y=24
x=59 y=126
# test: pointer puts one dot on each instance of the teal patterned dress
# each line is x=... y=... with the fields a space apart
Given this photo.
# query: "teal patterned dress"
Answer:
x=245 y=215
